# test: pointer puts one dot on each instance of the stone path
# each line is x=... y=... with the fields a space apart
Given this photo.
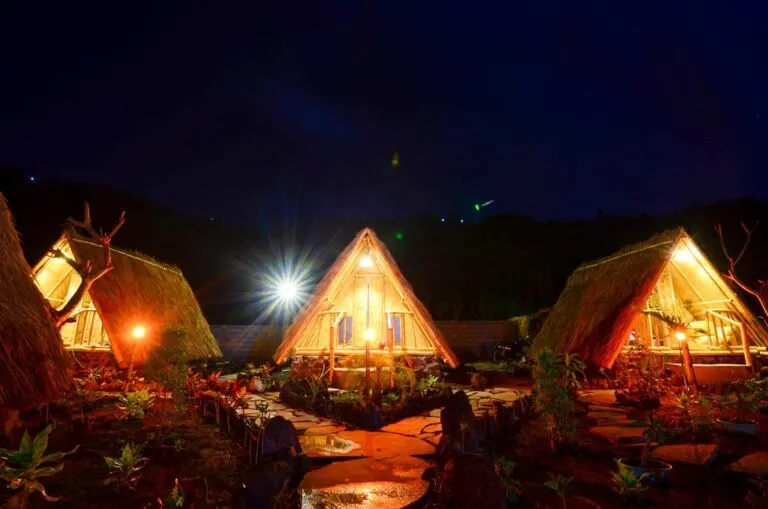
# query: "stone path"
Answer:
x=382 y=468
x=613 y=422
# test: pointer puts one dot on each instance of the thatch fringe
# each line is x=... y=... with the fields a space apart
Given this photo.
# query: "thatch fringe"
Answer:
x=594 y=314
x=143 y=291
x=33 y=364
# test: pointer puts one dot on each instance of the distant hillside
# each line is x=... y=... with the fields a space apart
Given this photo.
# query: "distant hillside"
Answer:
x=487 y=269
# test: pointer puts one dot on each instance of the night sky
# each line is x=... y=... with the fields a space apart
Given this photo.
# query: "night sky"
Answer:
x=549 y=108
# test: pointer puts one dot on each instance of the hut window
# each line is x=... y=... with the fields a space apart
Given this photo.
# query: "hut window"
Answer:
x=344 y=334
x=397 y=331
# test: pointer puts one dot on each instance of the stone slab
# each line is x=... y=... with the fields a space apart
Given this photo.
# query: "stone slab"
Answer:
x=324 y=428
x=506 y=397
x=359 y=443
x=598 y=397
x=414 y=426
x=608 y=409
x=619 y=434
x=753 y=464
x=691 y=454
x=381 y=483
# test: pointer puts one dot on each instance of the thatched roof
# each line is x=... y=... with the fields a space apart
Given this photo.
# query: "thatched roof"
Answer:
x=594 y=314
x=142 y=291
x=345 y=263
x=33 y=364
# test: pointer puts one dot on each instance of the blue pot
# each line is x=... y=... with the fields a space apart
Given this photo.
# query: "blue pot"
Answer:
x=658 y=471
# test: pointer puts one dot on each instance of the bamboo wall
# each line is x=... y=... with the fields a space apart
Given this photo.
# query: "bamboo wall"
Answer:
x=470 y=340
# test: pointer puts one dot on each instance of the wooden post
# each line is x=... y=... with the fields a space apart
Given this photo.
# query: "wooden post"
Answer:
x=391 y=346
x=747 y=352
x=332 y=360
x=651 y=340
x=690 y=373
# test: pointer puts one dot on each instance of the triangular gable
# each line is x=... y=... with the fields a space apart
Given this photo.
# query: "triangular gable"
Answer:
x=594 y=314
x=366 y=242
x=141 y=291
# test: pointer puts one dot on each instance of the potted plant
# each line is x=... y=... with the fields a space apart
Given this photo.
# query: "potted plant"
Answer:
x=744 y=401
x=657 y=472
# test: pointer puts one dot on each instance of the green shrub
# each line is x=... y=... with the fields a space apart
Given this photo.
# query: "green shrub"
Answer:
x=24 y=468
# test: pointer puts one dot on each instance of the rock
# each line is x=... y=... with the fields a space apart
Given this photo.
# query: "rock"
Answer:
x=478 y=381
x=459 y=422
x=266 y=483
x=324 y=428
x=598 y=397
x=619 y=434
x=361 y=443
x=753 y=464
x=280 y=436
x=471 y=481
x=691 y=454
x=256 y=385
x=414 y=426
x=368 y=482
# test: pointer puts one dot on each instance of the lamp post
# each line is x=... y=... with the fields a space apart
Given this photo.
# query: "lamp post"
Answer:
x=369 y=336
x=138 y=334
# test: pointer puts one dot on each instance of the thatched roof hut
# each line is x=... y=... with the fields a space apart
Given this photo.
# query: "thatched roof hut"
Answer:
x=33 y=364
x=139 y=291
x=368 y=298
x=604 y=299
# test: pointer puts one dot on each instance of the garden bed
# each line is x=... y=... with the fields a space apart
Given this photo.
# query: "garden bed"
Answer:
x=209 y=466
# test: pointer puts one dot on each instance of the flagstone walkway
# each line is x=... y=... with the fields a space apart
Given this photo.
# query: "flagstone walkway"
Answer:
x=384 y=467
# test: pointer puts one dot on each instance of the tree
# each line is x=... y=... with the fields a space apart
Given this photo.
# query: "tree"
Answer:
x=730 y=273
x=85 y=269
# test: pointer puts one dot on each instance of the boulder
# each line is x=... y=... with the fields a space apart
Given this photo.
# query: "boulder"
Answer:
x=280 y=436
x=471 y=481
x=266 y=484
x=460 y=424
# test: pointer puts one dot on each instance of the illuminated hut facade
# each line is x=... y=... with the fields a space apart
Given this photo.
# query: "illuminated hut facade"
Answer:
x=33 y=365
x=658 y=294
x=363 y=303
x=138 y=292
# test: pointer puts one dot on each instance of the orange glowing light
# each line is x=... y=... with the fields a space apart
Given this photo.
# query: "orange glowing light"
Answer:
x=139 y=332
x=680 y=335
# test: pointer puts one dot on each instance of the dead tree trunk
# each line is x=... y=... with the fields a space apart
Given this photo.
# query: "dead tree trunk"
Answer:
x=85 y=269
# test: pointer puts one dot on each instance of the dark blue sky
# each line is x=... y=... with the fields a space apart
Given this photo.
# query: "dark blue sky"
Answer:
x=549 y=108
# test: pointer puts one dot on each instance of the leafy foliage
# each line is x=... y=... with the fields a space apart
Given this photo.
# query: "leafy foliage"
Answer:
x=136 y=404
x=626 y=483
x=125 y=470
x=428 y=383
x=574 y=368
x=175 y=499
x=505 y=469
x=552 y=382
x=559 y=484
x=168 y=365
x=24 y=468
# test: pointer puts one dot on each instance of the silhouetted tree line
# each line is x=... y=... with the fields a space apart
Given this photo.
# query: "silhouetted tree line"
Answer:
x=490 y=269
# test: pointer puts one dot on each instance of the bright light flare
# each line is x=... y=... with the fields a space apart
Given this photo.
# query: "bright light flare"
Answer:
x=287 y=290
x=680 y=335
x=284 y=285
x=366 y=262
x=139 y=332
x=370 y=334
x=683 y=255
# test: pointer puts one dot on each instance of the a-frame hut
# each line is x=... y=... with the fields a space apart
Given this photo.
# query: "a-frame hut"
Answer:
x=138 y=292
x=629 y=297
x=33 y=364
x=364 y=298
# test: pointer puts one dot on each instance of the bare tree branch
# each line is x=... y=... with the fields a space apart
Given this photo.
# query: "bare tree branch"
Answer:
x=85 y=269
x=730 y=273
